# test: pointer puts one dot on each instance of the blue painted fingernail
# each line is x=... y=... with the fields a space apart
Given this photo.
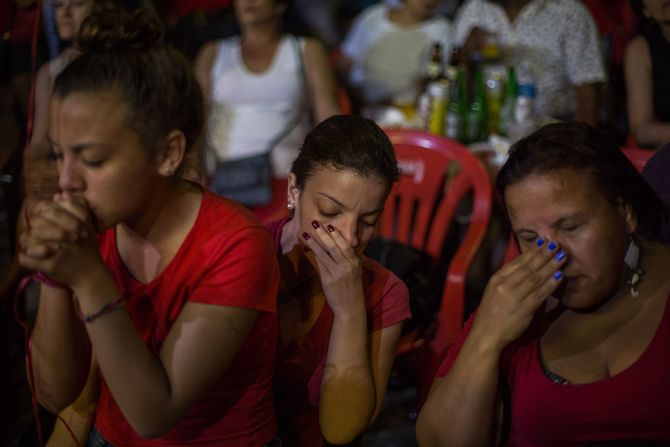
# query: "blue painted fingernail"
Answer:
x=552 y=246
x=560 y=255
x=540 y=242
x=558 y=275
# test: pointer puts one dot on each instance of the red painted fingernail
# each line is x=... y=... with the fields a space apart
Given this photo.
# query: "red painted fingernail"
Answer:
x=330 y=228
x=306 y=249
x=315 y=224
x=305 y=236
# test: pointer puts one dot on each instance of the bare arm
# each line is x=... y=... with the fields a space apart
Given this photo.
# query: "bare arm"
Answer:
x=588 y=100
x=646 y=129
x=320 y=81
x=203 y=67
x=461 y=407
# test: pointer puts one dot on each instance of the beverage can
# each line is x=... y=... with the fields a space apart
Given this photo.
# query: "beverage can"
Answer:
x=438 y=92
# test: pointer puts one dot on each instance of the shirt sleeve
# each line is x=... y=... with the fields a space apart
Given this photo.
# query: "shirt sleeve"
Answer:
x=583 y=59
x=243 y=272
x=357 y=39
x=394 y=305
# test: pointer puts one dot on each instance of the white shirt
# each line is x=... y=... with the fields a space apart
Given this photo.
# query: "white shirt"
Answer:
x=248 y=111
x=389 y=60
x=556 y=39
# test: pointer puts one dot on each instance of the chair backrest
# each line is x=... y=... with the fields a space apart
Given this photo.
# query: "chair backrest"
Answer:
x=638 y=156
x=437 y=173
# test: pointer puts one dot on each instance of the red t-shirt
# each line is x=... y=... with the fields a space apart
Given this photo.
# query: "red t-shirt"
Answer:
x=633 y=405
x=300 y=366
x=227 y=259
x=183 y=7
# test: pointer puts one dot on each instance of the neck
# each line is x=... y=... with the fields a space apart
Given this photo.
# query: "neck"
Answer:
x=404 y=16
x=289 y=235
x=514 y=7
x=260 y=35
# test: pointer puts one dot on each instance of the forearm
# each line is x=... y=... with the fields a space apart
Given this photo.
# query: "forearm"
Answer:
x=651 y=133
x=60 y=350
x=460 y=410
x=135 y=376
x=348 y=398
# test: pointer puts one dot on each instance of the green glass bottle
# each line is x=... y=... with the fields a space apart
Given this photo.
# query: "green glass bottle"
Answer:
x=454 y=126
x=475 y=126
x=509 y=99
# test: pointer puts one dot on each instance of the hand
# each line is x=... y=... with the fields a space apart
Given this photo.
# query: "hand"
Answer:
x=60 y=240
x=516 y=291
x=340 y=268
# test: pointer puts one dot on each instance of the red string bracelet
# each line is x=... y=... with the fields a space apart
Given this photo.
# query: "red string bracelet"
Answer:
x=109 y=307
x=44 y=279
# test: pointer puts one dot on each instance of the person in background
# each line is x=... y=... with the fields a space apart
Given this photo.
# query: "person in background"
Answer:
x=340 y=313
x=656 y=173
x=152 y=276
x=385 y=52
x=263 y=85
x=577 y=327
x=647 y=69
x=553 y=41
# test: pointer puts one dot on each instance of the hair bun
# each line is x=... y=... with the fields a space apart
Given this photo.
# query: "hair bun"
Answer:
x=118 y=29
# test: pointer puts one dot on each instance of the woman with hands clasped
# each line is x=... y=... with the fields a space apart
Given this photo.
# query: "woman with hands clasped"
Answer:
x=569 y=345
x=153 y=277
x=340 y=313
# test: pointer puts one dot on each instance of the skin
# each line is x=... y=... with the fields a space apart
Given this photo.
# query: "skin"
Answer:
x=108 y=179
x=645 y=127
x=69 y=16
x=259 y=25
x=594 y=331
x=335 y=217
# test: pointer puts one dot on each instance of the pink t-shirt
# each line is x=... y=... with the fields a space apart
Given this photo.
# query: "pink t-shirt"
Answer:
x=227 y=259
x=300 y=366
x=633 y=405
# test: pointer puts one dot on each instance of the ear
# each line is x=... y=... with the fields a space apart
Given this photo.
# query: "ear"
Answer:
x=172 y=154
x=293 y=192
x=629 y=216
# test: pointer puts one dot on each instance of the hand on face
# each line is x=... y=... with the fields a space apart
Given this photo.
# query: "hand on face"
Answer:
x=517 y=290
x=60 y=239
x=339 y=265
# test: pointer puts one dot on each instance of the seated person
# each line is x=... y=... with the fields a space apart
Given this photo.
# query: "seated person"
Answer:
x=151 y=276
x=385 y=53
x=569 y=344
x=556 y=41
x=647 y=69
x=260 y=87
x=341 y=314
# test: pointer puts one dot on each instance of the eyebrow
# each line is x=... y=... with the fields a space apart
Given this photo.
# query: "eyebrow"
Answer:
x=344 y=206
x=81 y=146
x=556 y=224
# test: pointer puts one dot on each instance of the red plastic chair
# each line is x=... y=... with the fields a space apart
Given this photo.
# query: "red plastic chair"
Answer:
x=415 y=215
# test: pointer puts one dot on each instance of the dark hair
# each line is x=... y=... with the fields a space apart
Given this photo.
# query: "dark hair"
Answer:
x=124 y=52
x=645 y=23
x=347 y=142
x=580 y=147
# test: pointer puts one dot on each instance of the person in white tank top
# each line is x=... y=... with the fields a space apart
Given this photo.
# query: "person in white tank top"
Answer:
x=260 y=87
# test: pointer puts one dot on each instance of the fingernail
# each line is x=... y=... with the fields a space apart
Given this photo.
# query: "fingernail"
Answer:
x=305 y=249
x=540 y=242
x=558 y=275
x=330 y=228
x=552 y=246
x=315 y=224
x=560 y=255
x=305 y=236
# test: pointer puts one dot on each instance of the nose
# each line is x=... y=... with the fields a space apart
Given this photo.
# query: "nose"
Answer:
x=349 y=231
x=69 y=178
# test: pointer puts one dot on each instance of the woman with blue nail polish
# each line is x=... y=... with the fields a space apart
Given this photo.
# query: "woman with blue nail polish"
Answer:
x=570 y=343
x=340 y=313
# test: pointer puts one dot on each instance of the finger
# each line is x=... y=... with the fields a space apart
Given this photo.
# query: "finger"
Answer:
x=320 y=254
x=56 y=215
x=325 y=239
x=540 y=294
x=538 y=269
x=533 y=258
x=76 y=205
x=347 y=250
x=41 y=251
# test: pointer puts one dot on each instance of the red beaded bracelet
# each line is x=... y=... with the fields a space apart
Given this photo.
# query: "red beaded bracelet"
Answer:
x=44 y=279
x=109 y=307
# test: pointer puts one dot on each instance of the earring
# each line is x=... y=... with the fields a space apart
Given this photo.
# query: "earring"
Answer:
x=635 y=272
x=289 y=205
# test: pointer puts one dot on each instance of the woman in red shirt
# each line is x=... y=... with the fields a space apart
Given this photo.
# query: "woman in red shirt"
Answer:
x=340 y=313
x=148 y=274
x=570 y=343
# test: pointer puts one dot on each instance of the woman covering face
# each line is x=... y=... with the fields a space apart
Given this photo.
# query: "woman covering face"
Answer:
x=167 y=289
x=577 y=326
x=340 y=313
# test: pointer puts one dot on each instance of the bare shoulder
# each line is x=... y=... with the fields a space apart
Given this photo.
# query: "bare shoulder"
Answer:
x=314 y=48
x=637 y=51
